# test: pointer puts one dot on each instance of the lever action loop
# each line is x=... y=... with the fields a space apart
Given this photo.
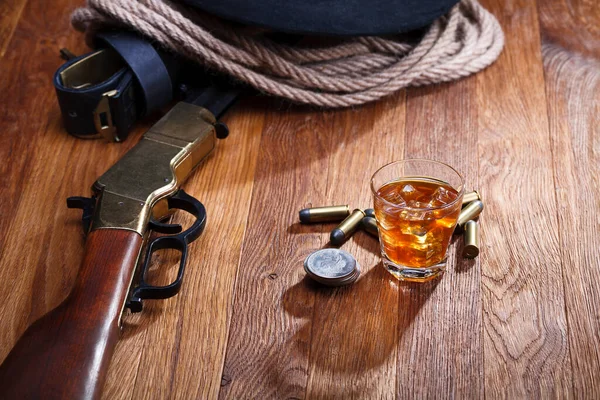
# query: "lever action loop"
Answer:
x=143 y=290
x=161 y=227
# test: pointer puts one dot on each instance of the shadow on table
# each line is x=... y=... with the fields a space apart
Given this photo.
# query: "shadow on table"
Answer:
x=368 y=243
x=355 y=328
x=462 y=264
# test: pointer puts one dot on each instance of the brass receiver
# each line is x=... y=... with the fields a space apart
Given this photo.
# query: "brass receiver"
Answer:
x=138 y=185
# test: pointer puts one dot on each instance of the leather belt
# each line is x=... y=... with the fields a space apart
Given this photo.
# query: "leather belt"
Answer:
x=104 y=92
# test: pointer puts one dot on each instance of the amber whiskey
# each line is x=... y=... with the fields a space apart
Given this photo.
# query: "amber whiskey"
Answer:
x=416 y=217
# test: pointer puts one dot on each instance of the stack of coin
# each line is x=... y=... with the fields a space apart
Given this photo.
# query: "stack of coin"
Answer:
x=332 y=267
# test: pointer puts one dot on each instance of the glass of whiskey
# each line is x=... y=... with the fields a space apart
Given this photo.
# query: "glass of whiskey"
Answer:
x=417 y=203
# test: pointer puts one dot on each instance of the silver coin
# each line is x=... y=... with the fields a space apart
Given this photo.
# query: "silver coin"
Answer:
x=340 y=282
x=333 y=264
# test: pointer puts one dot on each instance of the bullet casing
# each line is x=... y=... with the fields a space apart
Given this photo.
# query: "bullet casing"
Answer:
x=369 y=212
x=369 y=224
x=345 y=229
x=471 y=240
x=470 y=197
x=469 y=212
x=324 y=214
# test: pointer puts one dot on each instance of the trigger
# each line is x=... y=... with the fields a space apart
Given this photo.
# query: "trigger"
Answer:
x=86 y=204
x=164 y=228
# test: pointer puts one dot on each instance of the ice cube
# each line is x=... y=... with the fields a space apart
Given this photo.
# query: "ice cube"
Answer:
x=442 y=196
x=416 y=204
x=408 y=190
x=435 y=203
x=396 y=199
x=410 y=193
x=419 y=231
x=412 y=215
x=421 y=250
x=434 y=250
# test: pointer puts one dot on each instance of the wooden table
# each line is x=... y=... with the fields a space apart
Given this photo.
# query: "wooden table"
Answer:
x=523 y=320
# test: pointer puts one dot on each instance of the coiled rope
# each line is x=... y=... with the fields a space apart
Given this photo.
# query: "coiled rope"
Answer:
x=348 y=72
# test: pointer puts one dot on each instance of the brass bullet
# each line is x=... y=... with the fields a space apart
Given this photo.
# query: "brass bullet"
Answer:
x=470 y=197
x=369 y=224
x=369 y=212
x=469 y=212
x=471 y=242
x=324 y=214
x=345 y=229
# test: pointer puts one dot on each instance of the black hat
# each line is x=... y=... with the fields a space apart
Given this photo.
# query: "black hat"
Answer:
x=330 y=17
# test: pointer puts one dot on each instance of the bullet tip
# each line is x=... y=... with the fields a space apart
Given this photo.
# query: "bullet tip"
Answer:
x=337 y=237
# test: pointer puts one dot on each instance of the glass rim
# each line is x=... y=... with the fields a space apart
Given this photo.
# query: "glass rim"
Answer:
x=406 y=207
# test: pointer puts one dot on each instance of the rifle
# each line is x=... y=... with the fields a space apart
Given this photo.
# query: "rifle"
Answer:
x=66 y=353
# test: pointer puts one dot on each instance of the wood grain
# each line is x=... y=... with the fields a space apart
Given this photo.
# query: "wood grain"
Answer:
x=571 y=52
x=355 y=329
x=189 y=361
x=526 y=348
x=10 y=13
x=519 y=322
x=80 y=335
x=442 y=320
x=269 y=340
x=41 y=167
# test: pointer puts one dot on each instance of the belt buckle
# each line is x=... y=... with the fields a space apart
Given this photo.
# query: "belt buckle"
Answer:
x=92 y=70
x=103 y=120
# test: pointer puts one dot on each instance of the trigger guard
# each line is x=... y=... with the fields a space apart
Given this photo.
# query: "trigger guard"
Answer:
x=183 y=201
x=161 y=227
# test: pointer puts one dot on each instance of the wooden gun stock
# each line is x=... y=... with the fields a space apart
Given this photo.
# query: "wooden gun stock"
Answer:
x=66 y=353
